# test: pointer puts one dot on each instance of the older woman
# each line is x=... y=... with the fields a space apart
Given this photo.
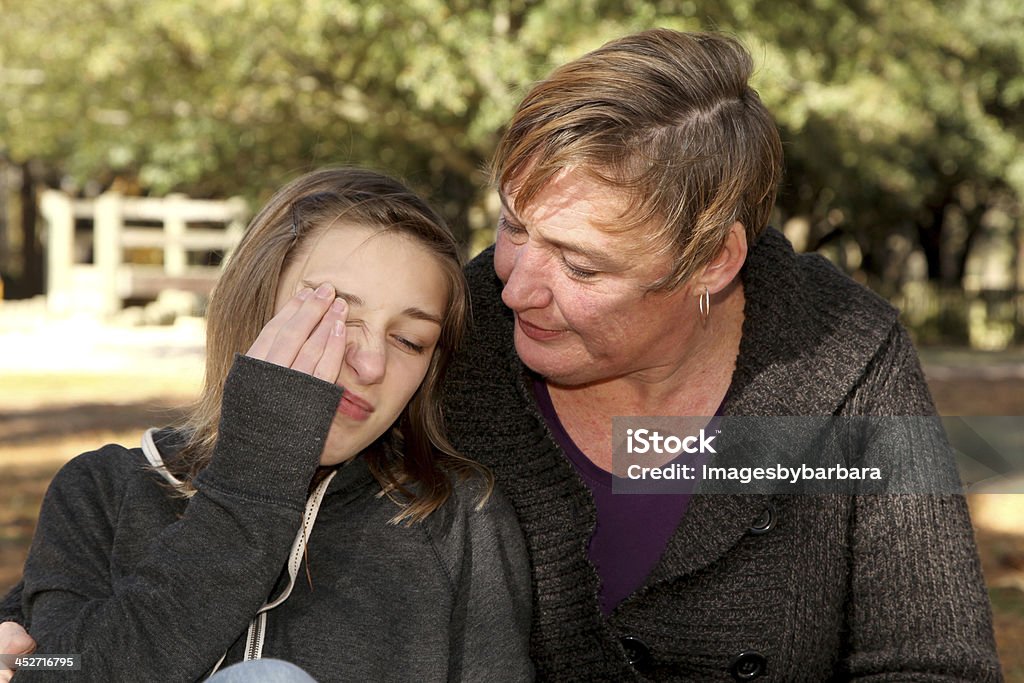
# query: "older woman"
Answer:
x=634 y=275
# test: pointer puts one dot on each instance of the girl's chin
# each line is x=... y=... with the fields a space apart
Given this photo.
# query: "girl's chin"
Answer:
x=332 y=459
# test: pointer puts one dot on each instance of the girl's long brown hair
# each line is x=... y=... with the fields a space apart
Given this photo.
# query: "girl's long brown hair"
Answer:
x=414 y=459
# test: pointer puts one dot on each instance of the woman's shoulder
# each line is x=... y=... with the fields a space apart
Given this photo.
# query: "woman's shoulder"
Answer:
x=485 y=290
x=810 y=332
x=111 y=460
x=810 y=280
x=480 y=269
x=475 y=498
x=486 y=363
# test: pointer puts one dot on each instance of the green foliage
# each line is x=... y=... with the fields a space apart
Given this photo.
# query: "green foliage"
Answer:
x=893 y=114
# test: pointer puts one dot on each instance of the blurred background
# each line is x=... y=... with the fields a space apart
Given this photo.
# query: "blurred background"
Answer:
x=136 y=138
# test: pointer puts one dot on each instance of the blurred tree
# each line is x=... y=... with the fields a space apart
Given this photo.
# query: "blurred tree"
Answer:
x=234 y=95
x=902 y=121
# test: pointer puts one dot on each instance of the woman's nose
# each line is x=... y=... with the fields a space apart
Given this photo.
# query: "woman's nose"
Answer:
x=527 y=284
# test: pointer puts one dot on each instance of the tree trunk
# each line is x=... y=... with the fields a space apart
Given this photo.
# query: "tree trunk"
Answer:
x=5 y=229
x=31 y=281
x=973 y=219
x=458 y=193
x=930 y=238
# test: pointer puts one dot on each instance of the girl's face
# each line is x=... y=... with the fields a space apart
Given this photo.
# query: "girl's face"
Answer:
x=396 y=293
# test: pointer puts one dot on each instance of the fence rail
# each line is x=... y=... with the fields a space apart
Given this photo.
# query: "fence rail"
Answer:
x=985 y=319
x=103 y=285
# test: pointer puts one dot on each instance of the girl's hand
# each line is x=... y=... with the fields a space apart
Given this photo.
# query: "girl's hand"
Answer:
x=13 y=641
x=308 y=334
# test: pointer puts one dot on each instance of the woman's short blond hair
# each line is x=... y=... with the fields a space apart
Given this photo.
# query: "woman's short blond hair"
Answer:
x=415 y=458
x=668 y=120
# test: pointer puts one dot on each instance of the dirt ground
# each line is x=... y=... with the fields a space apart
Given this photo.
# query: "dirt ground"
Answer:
x=959 y=389
x=45 y=418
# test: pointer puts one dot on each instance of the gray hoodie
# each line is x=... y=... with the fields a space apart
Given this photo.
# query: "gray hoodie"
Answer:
x=146 y=586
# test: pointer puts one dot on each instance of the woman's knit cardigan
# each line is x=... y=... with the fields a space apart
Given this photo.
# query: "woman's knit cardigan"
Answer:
x=838 y=587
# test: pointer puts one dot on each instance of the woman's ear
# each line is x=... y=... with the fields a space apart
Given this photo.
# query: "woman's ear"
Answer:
x=726 y=265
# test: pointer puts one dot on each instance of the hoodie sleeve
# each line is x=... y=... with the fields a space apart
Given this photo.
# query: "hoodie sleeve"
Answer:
x=203 y=576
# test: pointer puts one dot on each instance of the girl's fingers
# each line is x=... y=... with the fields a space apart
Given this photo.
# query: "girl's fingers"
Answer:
x=265 y=340
x=329 y=367
x=296 y=330
x=310 y=356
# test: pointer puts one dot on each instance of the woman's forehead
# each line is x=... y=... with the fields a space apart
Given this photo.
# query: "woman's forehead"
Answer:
x=567 y=187
x=593 y=211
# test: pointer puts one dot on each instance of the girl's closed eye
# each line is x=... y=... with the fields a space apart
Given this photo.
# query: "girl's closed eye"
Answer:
x=410 y=345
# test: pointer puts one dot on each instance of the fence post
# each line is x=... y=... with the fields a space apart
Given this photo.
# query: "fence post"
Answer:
x=59 y=214
x=175 y=260
x=107 y=249
x=236 y=228
x=1018 y=283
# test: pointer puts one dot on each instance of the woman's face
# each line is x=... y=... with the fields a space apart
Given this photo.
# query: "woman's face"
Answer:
x=397 y=293
x=577 y=290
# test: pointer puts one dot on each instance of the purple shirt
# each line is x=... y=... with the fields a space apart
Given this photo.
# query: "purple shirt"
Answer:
x=632 y=528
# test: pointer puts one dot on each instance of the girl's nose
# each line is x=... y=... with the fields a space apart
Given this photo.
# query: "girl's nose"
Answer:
x=366 y=355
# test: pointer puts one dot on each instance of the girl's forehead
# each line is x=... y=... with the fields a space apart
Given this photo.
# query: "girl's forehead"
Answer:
x=374 y=268
x=341 y=248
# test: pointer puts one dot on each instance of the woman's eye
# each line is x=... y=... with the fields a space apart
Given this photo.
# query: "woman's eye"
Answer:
x=578 y=273
x=513 y=230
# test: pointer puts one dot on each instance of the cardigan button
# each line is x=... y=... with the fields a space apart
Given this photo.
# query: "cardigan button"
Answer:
x=765 y=522
x=748 y=665
x=637 y=653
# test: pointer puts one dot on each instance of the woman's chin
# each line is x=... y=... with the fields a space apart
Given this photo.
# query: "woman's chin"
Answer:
x=554 y=367
x=536 y=358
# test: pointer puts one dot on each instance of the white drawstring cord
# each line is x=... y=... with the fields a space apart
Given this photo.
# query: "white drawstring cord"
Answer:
x=258 y=627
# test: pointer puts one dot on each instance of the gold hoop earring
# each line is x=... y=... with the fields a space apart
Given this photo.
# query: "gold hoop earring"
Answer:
x=704 y=304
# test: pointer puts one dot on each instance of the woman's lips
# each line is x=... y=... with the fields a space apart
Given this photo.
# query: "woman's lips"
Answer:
x=538 y=333
x=354 y=407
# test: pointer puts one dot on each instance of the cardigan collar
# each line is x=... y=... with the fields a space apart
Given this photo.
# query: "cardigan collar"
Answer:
x=808 y=333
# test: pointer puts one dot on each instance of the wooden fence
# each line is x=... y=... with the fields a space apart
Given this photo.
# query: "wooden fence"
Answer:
x=121 y=226
x=984 y=319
